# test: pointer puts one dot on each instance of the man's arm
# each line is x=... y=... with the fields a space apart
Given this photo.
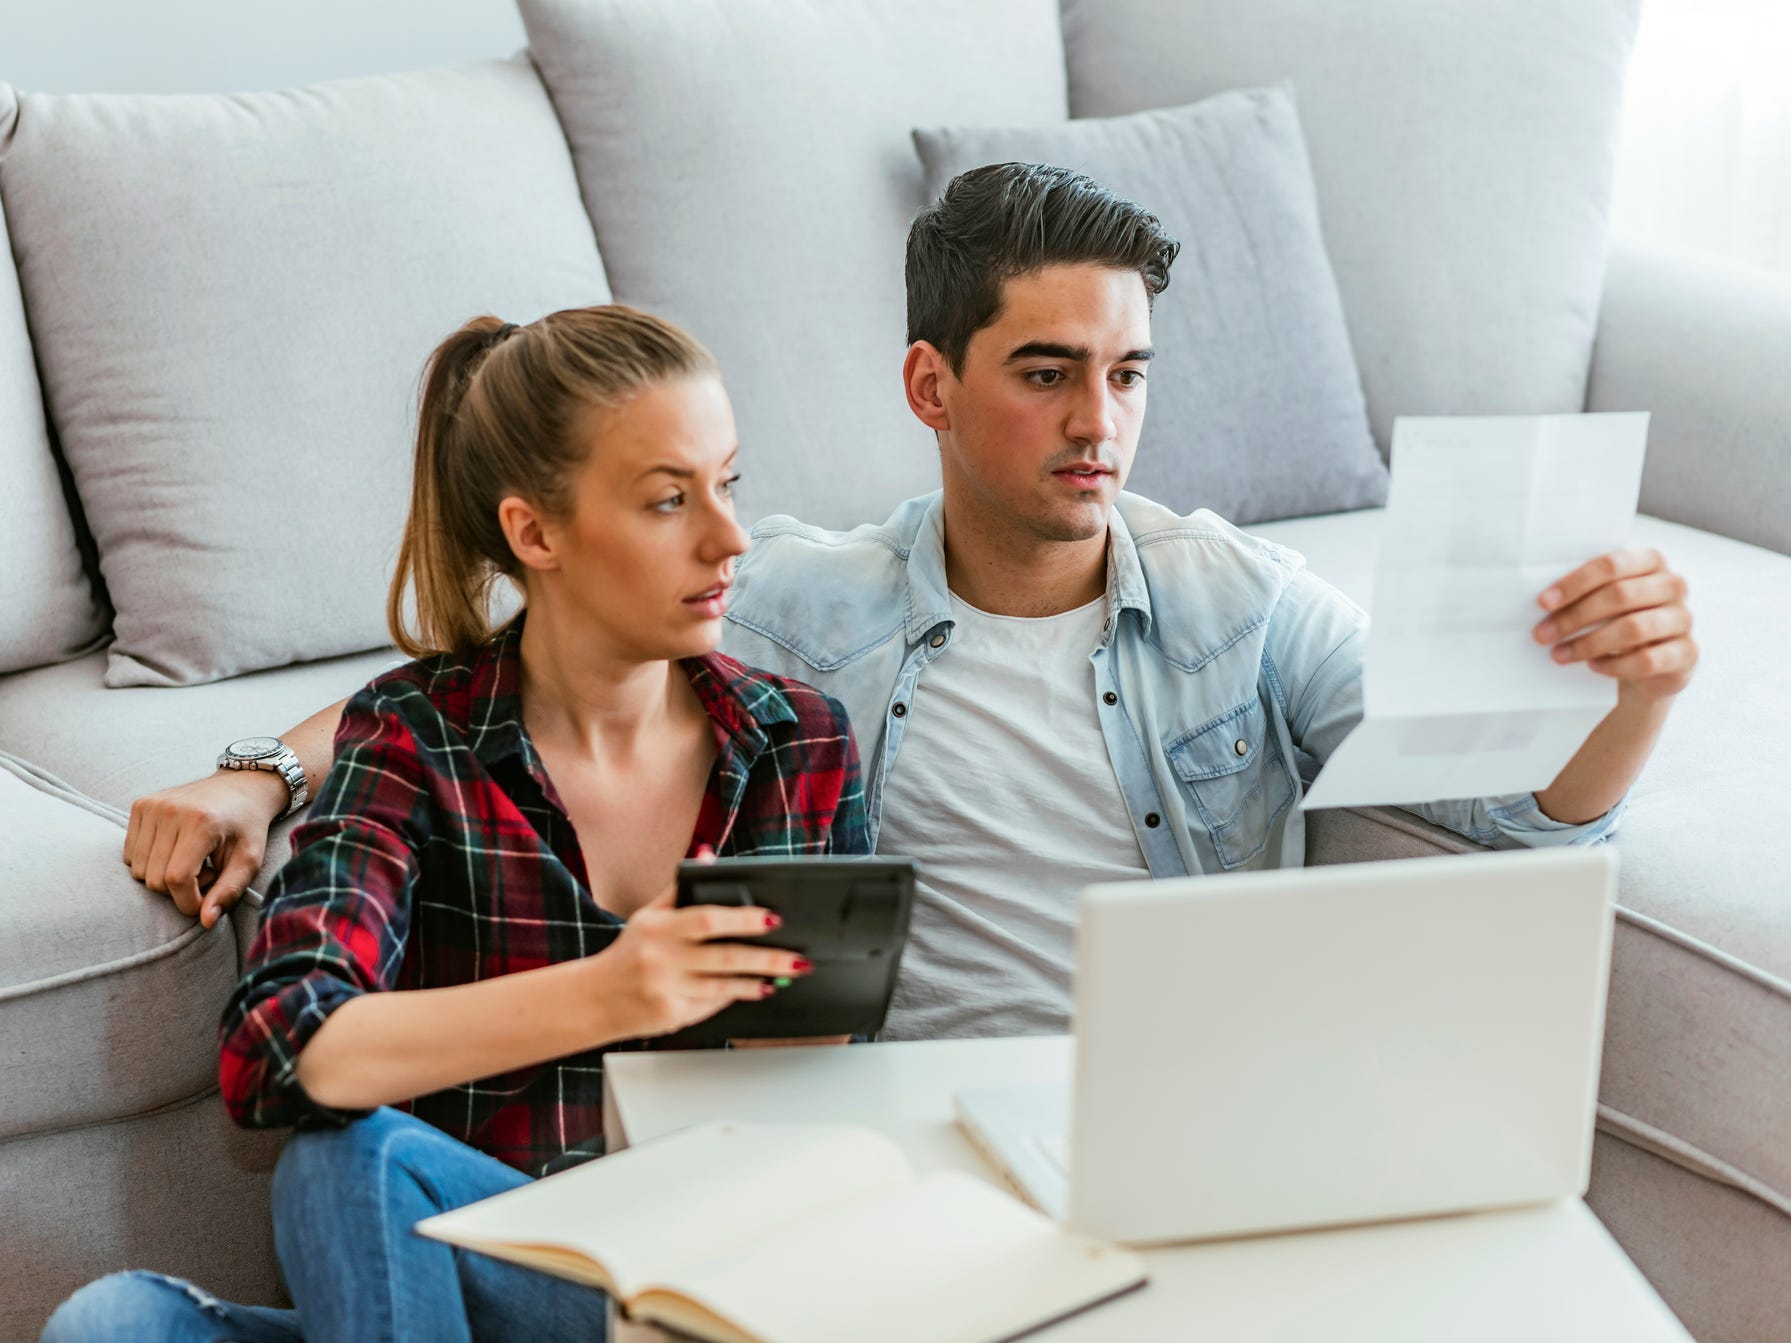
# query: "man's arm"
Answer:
x=224 y=819
x=1625 y=616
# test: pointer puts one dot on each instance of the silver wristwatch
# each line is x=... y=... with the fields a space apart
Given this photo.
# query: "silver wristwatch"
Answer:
x=275 y=756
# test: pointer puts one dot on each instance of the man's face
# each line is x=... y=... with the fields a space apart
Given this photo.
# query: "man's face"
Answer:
x=1045 y=412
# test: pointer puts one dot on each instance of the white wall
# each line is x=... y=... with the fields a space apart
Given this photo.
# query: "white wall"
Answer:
x=1706 y=154
x=212 y=46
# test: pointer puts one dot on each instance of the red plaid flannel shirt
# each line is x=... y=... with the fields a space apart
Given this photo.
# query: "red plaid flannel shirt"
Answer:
x=437 y=852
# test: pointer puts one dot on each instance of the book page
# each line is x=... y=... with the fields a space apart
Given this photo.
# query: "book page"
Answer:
x=646 y=1210
x=948 y=1259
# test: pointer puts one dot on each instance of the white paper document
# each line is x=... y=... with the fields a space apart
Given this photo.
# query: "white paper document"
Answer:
x=1459 y=700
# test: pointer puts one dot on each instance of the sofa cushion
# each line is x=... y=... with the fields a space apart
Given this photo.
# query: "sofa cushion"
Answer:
x=49 y=612
x=232 y=299
x=110 y=995
x=1697 y=1059
x=1255 y=405
x=749 y=170
x=116 y=745
x=1463 y=154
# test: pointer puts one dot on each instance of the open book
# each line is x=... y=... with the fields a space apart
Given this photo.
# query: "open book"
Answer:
x=796 y=1233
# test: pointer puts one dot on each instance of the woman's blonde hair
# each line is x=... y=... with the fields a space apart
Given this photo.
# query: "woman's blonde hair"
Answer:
x=499 y=414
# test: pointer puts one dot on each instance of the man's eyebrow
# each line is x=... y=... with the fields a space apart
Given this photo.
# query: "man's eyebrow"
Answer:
x=1044 y=349
x=1080 y=354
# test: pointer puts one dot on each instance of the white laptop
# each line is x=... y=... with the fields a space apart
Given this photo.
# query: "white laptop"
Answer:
x=1272 y=1051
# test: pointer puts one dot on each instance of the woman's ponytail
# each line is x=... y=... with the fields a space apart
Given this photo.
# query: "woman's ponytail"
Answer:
x=449 y=581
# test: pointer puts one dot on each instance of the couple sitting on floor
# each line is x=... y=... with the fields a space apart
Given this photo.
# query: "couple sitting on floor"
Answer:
x=1023 y=657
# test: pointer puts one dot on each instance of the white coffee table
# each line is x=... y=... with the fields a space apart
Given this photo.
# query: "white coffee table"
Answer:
x=1535 y=1275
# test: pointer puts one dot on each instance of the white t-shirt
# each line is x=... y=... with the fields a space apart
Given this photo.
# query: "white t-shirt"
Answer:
x=1003 y=792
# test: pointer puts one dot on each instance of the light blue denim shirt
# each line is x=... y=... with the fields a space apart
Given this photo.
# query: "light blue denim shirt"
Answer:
x=1225 y=676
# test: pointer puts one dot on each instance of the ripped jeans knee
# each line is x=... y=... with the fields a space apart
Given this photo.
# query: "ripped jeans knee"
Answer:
x=141 y=1304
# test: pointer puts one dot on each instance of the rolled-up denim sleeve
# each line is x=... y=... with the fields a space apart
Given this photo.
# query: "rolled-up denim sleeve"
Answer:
x=1312 y=660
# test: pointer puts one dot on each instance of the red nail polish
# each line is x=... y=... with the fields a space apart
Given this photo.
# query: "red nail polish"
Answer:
x=772 y=921
x=802 y=966
x=767 y=989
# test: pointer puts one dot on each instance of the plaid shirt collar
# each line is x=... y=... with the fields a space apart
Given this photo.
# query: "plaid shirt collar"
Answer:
x=740 y=703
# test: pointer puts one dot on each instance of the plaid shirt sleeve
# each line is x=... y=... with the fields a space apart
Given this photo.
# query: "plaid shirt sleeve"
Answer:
x=851 y=832
x=336 y=918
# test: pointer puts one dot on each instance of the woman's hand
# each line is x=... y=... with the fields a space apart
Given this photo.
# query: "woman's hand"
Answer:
x=667 y=970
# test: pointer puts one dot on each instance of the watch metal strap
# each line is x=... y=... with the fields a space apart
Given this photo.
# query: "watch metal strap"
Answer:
x=283 y=762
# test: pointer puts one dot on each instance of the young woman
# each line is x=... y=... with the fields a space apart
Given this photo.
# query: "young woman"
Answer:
x=479 y=903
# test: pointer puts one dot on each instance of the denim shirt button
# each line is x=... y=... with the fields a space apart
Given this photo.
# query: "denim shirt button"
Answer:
x=899 y=710
x=1110 y=698
x=937 y=641
x=1153 y=820
x=1242 y=747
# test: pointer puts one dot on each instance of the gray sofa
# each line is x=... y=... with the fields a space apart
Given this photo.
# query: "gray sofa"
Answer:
x=211 y=321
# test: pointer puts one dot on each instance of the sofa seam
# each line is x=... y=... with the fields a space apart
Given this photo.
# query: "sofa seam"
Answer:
x=124 y=964
x=1764 y=978
x=40 y=780
x=1687 y=1156
x=155 y=1112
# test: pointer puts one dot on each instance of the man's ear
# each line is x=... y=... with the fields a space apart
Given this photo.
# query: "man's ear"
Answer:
x=922 y=373
x=530 y=537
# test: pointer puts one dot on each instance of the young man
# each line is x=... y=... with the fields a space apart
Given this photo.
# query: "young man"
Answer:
x=1052 y=682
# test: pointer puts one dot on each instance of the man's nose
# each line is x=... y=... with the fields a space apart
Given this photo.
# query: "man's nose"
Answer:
x=1092 y=421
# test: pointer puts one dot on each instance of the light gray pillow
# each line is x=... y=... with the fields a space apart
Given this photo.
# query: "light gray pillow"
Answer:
x=749 y=171
x=47 y=611
x=1463 y=155
x=1254 y=406
x=232 y=299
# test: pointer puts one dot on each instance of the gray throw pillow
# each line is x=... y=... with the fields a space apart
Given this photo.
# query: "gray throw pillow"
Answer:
x=1255 y=407
x=232 y=298
x=48 y=612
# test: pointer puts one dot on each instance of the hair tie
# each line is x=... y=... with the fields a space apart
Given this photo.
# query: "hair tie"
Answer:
x=503 y=333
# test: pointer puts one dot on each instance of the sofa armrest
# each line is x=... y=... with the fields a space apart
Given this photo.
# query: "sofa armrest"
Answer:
x=1706 y=346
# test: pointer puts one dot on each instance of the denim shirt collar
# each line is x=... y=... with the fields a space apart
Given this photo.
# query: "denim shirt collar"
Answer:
x=929 y=594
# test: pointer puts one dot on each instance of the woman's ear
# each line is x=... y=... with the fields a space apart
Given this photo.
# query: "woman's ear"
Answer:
x=531 y=538
x=922 y=372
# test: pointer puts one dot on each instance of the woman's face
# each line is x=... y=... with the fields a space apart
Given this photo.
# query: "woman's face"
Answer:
x=646 y=557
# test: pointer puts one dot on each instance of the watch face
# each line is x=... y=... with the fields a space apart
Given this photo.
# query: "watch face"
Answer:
x=252 y=748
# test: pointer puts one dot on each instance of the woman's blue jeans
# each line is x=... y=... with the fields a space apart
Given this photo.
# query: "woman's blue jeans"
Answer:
x=344 y=1203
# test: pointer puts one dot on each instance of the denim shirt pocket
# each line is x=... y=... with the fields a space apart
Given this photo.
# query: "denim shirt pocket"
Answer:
x=1233 y=771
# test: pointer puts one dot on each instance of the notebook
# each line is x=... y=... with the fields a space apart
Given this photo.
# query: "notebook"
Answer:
x=796 y=1233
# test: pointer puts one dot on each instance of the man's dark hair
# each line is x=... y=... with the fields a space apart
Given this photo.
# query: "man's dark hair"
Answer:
x=993 y=223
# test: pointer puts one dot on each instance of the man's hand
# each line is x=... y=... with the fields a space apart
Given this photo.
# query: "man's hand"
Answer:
x=221 y=820
x=1643 y=634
